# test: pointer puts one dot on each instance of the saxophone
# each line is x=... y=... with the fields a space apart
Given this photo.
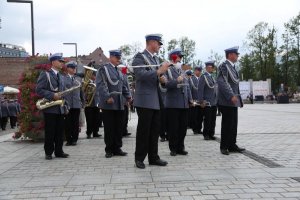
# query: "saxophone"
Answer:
x=44 y=103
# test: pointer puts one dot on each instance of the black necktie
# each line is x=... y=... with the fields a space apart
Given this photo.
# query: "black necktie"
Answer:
x=58 y=80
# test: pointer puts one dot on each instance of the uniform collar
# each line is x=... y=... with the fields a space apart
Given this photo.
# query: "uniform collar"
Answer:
x=55 y=71
x=232 y=64
x=151 y=54
x=112 y=65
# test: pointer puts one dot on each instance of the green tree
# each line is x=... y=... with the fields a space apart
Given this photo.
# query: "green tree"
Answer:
x=293 y=27
x=246 y=67
x=285 y=61
x=187 y=46
x=172 y=44
x=129 y=51
x=262 y=44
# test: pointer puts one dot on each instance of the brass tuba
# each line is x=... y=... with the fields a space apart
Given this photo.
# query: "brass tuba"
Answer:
x=88 y=87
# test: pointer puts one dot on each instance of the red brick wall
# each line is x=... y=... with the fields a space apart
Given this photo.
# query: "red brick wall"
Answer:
x=10 y=70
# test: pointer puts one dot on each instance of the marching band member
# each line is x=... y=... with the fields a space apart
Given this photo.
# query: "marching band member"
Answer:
x=126 y=105
x=92 y=113
x=48 y=85
x=207 y=95
x=196 y=111
x=148 y=102
x=109 y=80
x=75 y=102
x=13 y=107
x=229 y=100
x=178 y=99
x=163 y=128
x=4 y=113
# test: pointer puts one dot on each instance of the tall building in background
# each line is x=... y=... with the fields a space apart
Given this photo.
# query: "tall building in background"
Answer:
x=10 y=50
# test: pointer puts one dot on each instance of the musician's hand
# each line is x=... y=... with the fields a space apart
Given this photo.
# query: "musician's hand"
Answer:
x=162 y=79
x=163 y=68
x=56 y=96
x=179 y=79
x=129 y=100
x=110 y=100
x=234 y=100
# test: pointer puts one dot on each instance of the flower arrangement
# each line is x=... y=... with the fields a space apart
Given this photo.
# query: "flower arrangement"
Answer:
x=31 y=123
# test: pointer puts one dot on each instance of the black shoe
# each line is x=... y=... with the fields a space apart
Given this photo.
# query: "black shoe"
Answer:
x=173 y=153
x=48 y=157
x=74 y=143
x=236 y=149
x=62 y=155
x=88 y=137
x=158 y=162
x=139 y=164
x=120 y=153
x=196 y=132
x=126 y=134
x=212 y=137
x=68 y=144
x=108 y=155
x=183 y=152
x=96 y=135
x=225 y=151
x=206 y=137
x=163 y=139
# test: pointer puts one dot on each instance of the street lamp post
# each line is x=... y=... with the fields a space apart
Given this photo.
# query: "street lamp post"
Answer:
x=32 y=24
x=75 y=44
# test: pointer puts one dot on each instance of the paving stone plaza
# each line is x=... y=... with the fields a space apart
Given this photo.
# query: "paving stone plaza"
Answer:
x=269 y=169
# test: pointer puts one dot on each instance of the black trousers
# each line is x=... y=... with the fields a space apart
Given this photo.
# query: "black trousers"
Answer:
x=197 y=118
x=54 y=130
x=228 y=127
x=125 y=120
x=177 y=126
x=100 y=119
x=72 y=125
x=147 y=134
x=4 y=122
x=113 y=126
x=210 y=114
x=92 y=115
x=163 y=125
x=13 y=121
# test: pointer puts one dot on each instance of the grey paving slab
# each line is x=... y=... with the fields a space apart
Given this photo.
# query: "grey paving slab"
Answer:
x=203 y=174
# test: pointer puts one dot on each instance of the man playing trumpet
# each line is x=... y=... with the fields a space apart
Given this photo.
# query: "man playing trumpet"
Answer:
x=148 y=102
x=178 y=98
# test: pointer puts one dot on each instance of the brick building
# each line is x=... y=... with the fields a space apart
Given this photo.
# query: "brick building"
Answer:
x=11 y=68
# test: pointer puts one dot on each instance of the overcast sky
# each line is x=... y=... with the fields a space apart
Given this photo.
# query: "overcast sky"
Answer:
x=213 y=24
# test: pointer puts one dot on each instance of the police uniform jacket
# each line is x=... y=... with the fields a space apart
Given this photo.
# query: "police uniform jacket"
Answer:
x=4 y=109
x=74 y=98
x=207 y=89
x=110 y=79
x=177 y=97
x=0 y=109
x=46 y=88
x=12 y=107
x=228 y=85
x=125 y=82
x=147 y=93
x=193 y=82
